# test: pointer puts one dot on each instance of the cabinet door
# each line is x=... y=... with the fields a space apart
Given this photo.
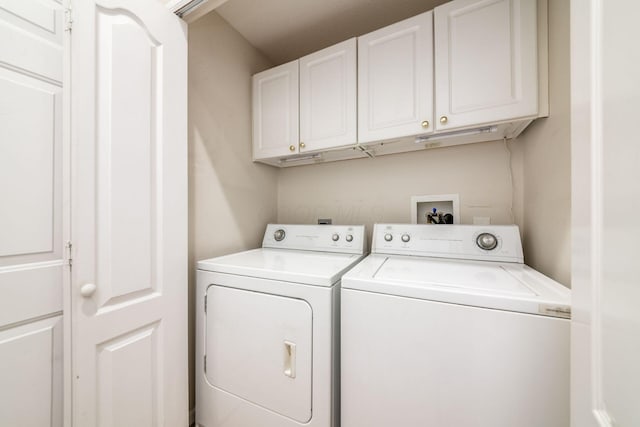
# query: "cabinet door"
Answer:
x=328 y=97
x=395 y=80
x=275 y=111
x=485 y=62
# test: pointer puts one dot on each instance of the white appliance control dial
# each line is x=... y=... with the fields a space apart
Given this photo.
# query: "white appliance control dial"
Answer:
x=487 y=241
x=349 y=238
x=279 y=235
x=335 y=237
x=388 y=237
x=406 y=237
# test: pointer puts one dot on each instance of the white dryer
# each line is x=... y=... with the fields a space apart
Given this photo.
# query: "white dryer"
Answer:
x=267 y=346
x=443 y=325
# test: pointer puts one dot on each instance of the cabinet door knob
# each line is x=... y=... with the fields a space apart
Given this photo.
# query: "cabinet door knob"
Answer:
x=302 y=145
x=425 y=124
x=292 y=148
x=444 y=120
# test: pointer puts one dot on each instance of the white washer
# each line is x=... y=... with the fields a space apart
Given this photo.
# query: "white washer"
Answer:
x=443 y=325
x=267 y=329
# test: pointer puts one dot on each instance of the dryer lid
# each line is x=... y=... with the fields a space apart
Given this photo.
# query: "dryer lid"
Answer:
x=305 y=267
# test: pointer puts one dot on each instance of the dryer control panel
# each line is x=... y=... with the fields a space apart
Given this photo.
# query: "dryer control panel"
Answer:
x=350 y=239
x=477 y=242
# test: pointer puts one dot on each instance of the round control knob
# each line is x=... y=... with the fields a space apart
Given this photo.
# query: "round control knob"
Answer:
x=279 y=235
x=388 y=237
x=335 y=237
x=487 y=241
x=349 y=238
x=406 y=238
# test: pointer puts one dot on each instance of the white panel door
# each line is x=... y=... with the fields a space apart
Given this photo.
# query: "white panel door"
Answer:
x=275 y=112
x=395 y=80
x=485 y=61
x=129 y=215
x=31 y=212
x=258 y=347
x=328 y=97
x=605 y=91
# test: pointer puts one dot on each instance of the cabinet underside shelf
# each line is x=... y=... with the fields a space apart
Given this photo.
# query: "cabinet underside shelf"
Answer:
x=372 y=150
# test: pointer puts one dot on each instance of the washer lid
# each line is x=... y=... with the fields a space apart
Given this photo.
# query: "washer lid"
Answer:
x=306 y=267
x=504 y=286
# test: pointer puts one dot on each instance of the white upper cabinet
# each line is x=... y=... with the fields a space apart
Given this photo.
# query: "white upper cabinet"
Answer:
x=486 y=67
x=275 y=111
x=395 y=80
x=476 y=67
x=328 y=98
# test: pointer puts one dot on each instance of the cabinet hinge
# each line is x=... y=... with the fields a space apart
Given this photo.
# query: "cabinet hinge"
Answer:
x=68 y=19
x=68 y=246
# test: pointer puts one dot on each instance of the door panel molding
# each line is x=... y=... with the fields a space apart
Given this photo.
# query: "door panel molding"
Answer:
x=135 y=388
x=31 y=364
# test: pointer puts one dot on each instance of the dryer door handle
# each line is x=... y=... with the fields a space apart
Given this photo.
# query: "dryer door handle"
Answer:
x=290 y=359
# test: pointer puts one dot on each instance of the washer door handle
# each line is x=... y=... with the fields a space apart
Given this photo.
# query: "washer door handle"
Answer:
x=290 y=359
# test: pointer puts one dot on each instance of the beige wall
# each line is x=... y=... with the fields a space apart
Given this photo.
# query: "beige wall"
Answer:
x=231 y=199
x=366 y=191
x=545 y=148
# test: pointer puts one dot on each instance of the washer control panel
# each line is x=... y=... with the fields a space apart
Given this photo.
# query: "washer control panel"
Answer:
x=328 y=238
x=478 y=242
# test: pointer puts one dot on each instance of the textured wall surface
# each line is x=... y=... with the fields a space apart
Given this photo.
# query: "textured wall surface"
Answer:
x=231 y=199
x=366 y=191
x=546 y=154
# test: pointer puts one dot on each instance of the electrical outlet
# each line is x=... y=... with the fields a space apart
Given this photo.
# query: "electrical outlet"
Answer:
x=482 y=220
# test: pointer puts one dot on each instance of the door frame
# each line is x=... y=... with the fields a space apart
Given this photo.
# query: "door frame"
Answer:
x=593 y=102
x=66 y=214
